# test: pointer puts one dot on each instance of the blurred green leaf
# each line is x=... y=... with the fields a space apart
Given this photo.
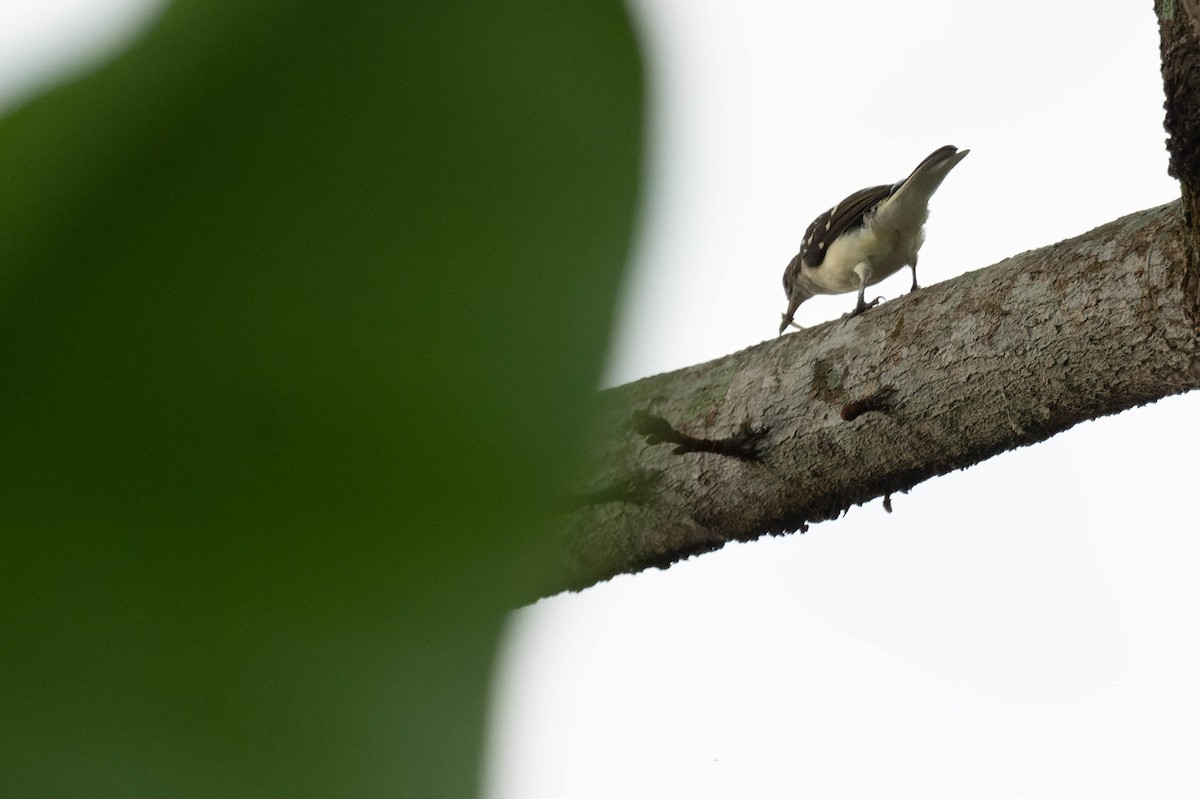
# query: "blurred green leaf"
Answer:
x=301 y=309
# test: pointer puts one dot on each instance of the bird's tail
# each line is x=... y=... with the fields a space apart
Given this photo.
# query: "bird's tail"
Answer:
x=912 y=194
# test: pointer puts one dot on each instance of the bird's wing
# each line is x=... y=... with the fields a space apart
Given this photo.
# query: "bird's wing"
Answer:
x=844 y=216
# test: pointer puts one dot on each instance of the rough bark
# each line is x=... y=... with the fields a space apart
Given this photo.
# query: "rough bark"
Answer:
x=798 y=429
x=1179 y=45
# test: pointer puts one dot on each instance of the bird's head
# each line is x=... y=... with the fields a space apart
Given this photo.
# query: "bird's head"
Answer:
x=797 y=289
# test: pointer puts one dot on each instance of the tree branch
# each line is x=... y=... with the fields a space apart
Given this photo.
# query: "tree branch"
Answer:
x=796 y=430
x=861 y=408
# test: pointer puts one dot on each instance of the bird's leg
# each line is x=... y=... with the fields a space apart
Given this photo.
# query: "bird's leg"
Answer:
x=914 y=268
x=863 y=270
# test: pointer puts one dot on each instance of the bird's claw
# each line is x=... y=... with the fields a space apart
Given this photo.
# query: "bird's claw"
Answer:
x=862 y=306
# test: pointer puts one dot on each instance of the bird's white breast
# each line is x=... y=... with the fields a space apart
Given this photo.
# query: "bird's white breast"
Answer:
x=882 y=244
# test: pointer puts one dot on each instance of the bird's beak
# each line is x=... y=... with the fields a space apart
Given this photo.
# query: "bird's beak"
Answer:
x=791 y=312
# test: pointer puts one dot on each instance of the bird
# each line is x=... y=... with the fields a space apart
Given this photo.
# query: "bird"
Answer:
x=867 y=237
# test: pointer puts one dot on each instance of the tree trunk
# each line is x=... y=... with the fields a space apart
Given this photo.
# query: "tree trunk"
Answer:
x=1179 y=36
x=798 y=429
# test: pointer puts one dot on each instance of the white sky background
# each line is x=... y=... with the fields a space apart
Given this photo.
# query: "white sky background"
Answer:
x=1026 y=627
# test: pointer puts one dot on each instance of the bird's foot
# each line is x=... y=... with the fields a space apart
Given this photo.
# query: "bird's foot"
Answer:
x=862 y=306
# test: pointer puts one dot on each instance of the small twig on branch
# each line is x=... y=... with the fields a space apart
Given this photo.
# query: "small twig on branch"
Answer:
x=657 y=430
